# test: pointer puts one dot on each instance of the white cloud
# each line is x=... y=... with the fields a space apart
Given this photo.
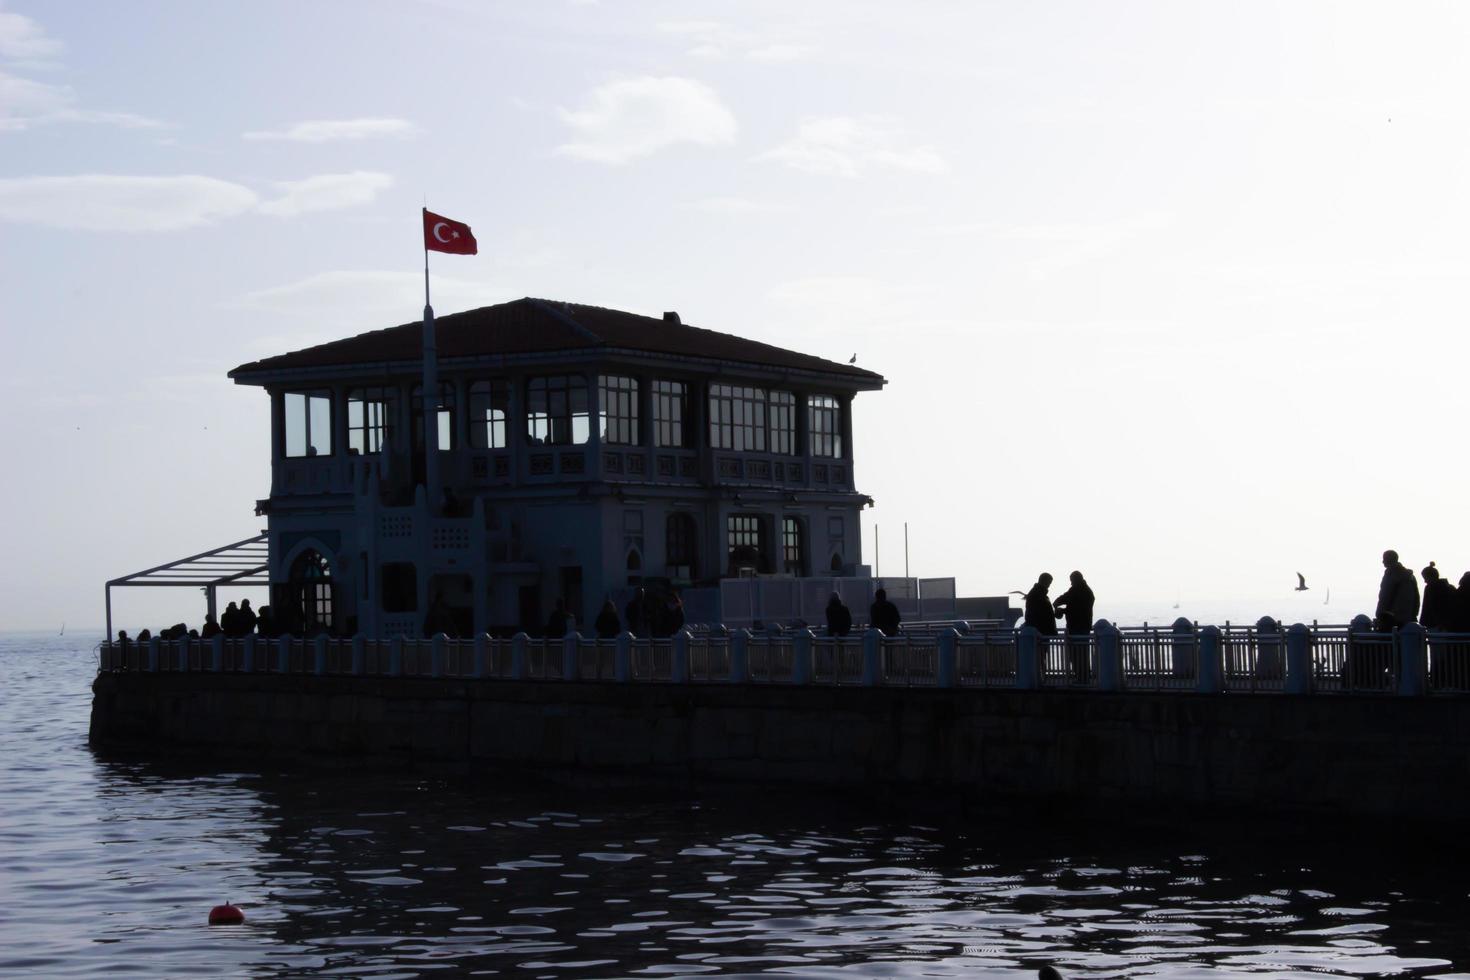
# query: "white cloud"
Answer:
x=25 y=102
x=363 y=299
x=624 y=120
x=327 y=192
x=845 y=146
x=22 y=39
x=332 y=130
x=713 y=39
x=101 y=202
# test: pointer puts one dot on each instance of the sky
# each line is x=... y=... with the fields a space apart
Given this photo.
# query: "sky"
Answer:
x=1168 y=292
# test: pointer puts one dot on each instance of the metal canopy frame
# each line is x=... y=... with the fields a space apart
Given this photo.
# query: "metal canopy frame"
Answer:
x=242 y=563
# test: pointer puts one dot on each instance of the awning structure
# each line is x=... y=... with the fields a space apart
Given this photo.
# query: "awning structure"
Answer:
x=242 y=563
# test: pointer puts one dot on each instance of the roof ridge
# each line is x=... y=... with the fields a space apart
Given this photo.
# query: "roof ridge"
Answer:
x=549 y=306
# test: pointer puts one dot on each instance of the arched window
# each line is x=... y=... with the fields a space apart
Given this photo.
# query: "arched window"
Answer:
x=635 y=567
x=311 y=592
x=836 y=564
x=680 y=549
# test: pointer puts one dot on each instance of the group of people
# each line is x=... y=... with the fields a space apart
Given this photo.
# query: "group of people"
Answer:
x=237 y=620
x=1443 y=608
x=882 y=615
x=645 y=615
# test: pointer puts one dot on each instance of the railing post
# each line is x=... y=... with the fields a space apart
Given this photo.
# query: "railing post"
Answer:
x=217 y=652
x=944 y=671
x=359 y=655
x=679 y=657
x=1211 y=672
x=623 y=657
x=154 y=653
x=518 y=648
x=740 y=656
x=1183 y=645
x=283 y=654
x=1028 y=666
x=482 y=653
x=183 y=665
x=1298 y=659
x=247 y=653
x=1109 y=656
x=436 y=654
x=1412 y=648
x=801 y=657
x=569 y=644
x=395 y=656
x=872 y=657
x=319 y=652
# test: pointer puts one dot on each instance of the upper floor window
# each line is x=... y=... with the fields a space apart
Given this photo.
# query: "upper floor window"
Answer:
x=556 y=410
x=783 y=423
x=443 y=415
x=371 y=418
x=617 y=404
x=825 y=416
x=489 y=404
x=670 y=411
x=737 y=418
x=308 y=423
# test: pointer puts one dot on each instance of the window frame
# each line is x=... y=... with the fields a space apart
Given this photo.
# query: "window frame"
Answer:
x=617 y=409
x=444 y=416
x=781 y=415
x=825 y=439
x=671 y=428
x=737 y=418
x=558 y=416
x=377 y=432
x=310 y=400
x=483 y=399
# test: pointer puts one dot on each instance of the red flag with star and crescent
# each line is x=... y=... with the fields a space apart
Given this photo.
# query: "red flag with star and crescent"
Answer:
x=444 y=235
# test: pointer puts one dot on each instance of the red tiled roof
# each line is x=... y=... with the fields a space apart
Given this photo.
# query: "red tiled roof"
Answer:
x=531 y=326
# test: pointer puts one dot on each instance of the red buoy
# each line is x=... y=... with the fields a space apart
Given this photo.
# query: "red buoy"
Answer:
x=226 y=915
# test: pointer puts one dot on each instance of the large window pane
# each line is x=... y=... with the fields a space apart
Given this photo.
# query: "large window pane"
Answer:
x=783 y=422
x=371 y=419
x=556 y=410
x=489 y=411
x=617 y=405
x=443 y=414
x=737 y=418
x=308 y=423
x=825 y=425
x=670 y=407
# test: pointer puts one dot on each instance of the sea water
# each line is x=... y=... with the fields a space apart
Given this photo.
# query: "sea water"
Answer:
x=110 y=865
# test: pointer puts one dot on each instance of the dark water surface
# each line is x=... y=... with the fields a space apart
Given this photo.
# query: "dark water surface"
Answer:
x=111 y=866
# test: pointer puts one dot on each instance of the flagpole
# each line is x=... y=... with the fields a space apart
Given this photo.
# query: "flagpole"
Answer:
x=431 y=395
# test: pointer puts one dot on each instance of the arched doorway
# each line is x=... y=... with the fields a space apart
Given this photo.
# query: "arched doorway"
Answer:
x=311 y=592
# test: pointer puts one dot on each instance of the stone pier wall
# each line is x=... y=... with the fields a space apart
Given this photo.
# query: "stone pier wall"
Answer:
x=1360 y=755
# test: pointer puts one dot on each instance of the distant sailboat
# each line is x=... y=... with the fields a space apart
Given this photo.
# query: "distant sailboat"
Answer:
x=1176 y=602
x=1329 y=596
x=63 y=630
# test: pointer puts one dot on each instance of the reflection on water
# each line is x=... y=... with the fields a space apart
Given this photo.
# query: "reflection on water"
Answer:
x=109 y=865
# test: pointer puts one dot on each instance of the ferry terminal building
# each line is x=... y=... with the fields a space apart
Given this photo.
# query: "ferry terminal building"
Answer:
x=583 y=452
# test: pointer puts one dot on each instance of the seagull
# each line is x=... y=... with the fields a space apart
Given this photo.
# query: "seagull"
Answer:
x=852 y=359
x=1301 y=582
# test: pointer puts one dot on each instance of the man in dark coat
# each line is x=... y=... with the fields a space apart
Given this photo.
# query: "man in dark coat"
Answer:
x=1076 y=605
x=246 y=621
x=1398 y=595
x=1439 y=601
x=607 y=623
x=230 y=620
x=883 y=615
x=558 y=622
x=1039 y=613
x=839 y=617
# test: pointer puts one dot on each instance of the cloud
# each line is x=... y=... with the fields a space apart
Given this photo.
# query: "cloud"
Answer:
x=624 y=120
x=362 y=299
x=22 y=39
x=333 y=130
x=106 y=202
x=327 y=192
x=100 y=202
x=25 y=102
x=845 y=146
x=715 y=40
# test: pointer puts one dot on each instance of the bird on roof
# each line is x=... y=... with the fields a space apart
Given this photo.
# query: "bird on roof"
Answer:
x=1301 y=581
x=852 y=359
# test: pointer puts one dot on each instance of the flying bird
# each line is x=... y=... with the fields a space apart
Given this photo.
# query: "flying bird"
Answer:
x=1301 y=581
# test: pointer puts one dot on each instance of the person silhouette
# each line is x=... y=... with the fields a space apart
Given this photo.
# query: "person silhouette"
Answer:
x=839 y=617
x=1040 y=615
x=883 y=615
x=1439 y=600
x=607 y=623
x=1398 y=595
x=1076 y=605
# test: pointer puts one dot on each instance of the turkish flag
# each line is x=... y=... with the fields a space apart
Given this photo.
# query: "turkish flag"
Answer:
x=444 y=235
